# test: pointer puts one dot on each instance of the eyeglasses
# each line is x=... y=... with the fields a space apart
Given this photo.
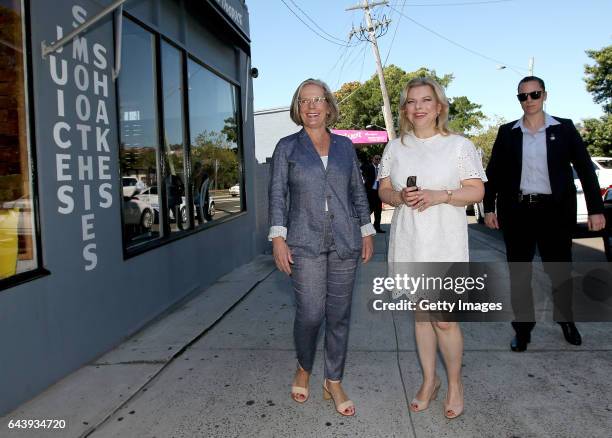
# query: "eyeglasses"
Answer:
x=316 y=100
x=535 y=95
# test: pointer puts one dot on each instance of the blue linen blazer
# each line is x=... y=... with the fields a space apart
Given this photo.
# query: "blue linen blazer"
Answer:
x=300 y=184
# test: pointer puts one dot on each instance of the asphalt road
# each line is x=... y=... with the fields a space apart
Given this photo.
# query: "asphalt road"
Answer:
x=586 y=248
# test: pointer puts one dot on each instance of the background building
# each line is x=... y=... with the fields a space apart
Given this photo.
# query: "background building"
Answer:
x=117 y=153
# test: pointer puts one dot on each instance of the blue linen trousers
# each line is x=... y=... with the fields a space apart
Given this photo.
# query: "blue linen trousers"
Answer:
x=323 y=289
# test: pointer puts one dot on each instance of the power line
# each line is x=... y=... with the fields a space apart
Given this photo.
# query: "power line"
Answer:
x=316 y=24
x=483 y=2
x=308 y=26
x=394 y=34
x=474 y=52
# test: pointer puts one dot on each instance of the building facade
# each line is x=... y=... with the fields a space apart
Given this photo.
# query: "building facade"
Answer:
x=118 y=150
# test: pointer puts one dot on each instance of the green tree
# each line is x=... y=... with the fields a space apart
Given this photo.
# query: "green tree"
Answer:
x=599 y=77
x=464 y=115
x=597 y=134
x=484 y=139
x=218 y=157
x=363 y=107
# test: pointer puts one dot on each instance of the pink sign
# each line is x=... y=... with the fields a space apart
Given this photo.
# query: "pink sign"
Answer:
x=362 y=136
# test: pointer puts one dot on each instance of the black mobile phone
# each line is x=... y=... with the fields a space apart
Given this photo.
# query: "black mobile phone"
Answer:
x=411 y=181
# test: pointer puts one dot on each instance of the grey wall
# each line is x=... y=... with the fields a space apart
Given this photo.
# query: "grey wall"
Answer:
x=51 y=326
x=270 y=126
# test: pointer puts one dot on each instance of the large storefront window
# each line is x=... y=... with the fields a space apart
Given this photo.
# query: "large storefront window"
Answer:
x=162 y=195
x=216 y=158
x=17 y=232
x=139 y=136
x=174 y=150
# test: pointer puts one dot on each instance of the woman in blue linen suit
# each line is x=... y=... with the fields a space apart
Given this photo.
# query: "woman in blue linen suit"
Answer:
x=319 y=227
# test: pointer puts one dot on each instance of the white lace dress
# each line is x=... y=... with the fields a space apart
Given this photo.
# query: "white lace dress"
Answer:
x=438 y=234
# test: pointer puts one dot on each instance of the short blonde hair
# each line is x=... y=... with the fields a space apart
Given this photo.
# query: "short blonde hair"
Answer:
x=442 y=119
x=294 y=111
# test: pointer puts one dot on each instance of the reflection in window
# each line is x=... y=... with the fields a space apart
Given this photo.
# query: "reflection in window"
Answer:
x=174 y=151
x=139 y=135
x=17 y=232
x=215 y=144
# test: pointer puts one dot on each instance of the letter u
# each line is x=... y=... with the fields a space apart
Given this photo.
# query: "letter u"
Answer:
x=53 y=68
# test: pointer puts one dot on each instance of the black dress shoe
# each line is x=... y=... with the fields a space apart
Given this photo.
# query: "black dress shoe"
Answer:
x=381 y=231
x=520 y=343
x=571 y=333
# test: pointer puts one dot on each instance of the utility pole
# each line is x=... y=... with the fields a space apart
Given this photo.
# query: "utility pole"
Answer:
x=371 y=31
x=531 y=62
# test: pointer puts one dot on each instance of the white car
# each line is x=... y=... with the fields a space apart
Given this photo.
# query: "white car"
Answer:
x=130 y=184
x=151 y=196
x=235 y=190
x=137 y=213
x=603 y=170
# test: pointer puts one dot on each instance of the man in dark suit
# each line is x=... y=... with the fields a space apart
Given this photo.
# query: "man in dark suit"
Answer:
x=370 y=179
x=530 y=176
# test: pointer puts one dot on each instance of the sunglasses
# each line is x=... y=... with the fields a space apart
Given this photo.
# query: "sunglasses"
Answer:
x=535 y=95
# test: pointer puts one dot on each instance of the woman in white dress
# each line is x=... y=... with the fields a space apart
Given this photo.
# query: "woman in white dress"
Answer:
x=429 y=223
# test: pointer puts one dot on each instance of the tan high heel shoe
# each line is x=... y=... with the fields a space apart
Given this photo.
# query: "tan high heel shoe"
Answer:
x=453 y=411
x=299 y=393
x=343 y=406
x=420 y=405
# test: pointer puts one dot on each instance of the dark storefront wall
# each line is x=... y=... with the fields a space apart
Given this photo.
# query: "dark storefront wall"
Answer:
x=52 y=325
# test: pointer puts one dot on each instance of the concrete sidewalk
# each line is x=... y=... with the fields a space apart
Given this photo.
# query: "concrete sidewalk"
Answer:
x=221 y=366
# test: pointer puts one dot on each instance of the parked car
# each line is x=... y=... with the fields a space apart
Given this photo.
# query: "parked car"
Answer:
x=130 y=184
x=151 y=196
x=607 y=235
x=137 y=213
x=603 y=170
x=235 y=190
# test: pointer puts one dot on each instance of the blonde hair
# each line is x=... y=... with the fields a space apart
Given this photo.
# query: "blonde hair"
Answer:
x=441 y=121
x=332 y=105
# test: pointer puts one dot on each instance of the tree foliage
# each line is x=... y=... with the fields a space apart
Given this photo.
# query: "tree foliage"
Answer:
x=598 y=77
x=484 y=139
x=597 y=134
x=363 y=107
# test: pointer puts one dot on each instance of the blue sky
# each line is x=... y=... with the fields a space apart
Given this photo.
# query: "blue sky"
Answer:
x=555 y=32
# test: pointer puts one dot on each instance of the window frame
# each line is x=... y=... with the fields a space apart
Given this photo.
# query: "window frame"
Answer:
x=167 y=237
x=30 y=127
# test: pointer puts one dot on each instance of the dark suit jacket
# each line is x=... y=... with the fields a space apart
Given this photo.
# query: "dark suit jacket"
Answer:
x=564 y=147
x=299 y=186
x=369 y=175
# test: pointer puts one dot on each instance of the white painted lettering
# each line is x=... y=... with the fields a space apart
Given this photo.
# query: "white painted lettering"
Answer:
x=62 y=78
x=61 y=164
x=63 y=195
x=64 y=144
x=104 y=167
x=83 y=107
x=100 y=83
x=105 y=193
x=79 y=50
x=87 y=226
x=60 y=103
x=87 y=197
x=101 y=143
x=85 y=167
x=101 y=114
x=99 y=52
x=84 y=130
x=79 y=14
x=81 y=77
x=90 y=256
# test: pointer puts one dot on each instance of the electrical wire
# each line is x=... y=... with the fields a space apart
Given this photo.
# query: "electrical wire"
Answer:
x=483 y=2
x=474 y=52
x=316 y=24
x=308 y=26
x=394 y=34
